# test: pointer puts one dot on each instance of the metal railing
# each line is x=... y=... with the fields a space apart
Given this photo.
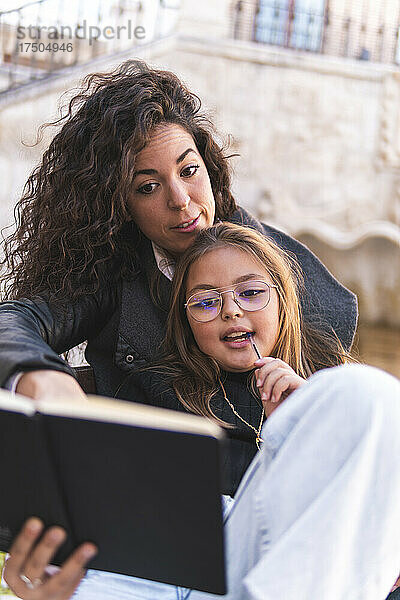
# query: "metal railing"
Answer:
x=39 y=38
x=287 y=23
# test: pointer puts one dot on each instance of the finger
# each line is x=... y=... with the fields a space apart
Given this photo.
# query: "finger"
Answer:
x=265 y=370
x=270 y=381
x=73 y=584
x=264 y=360
x=263 y=363
x=41 y=555
x=281 y=385
x=294 y=383
x=269 y=359
x=63 y=584
x=19 y=553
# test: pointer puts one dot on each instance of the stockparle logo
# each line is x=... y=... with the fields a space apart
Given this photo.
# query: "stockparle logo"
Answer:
x=81 y=32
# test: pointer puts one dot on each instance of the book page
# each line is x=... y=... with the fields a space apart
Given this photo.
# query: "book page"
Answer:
x=16 y=403
x=130 y=413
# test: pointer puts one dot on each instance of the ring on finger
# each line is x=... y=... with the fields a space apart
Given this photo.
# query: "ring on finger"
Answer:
x=29 y=583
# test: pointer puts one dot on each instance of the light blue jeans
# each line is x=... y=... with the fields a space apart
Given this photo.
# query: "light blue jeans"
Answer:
x=317 y=515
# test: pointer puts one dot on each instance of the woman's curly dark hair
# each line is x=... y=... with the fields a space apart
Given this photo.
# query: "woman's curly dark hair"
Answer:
x=73 y=232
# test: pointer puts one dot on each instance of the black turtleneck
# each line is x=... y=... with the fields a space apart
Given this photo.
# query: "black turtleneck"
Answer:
x=152 y=388
x=241 y=446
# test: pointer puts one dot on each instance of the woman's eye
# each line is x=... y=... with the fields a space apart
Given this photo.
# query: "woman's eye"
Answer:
x=147 y=188
x=190 y=170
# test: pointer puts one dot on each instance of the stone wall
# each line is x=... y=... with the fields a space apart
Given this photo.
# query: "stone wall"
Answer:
x=319 y=145
x=318 y=138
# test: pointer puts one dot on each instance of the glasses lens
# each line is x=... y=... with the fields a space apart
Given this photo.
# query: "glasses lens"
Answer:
x=204 y=306
x=252 y=295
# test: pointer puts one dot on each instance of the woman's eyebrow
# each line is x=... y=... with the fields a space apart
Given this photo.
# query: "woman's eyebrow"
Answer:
x=183 y=155
x=154 y=171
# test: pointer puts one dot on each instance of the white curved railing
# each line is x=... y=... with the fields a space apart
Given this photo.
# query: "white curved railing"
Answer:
x=345 y=240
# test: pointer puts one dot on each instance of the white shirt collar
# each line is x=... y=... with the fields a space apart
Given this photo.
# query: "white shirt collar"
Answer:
x=165 y=264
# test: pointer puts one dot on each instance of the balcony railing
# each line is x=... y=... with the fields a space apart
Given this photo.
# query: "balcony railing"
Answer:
x=39 y=38
x=293 y=24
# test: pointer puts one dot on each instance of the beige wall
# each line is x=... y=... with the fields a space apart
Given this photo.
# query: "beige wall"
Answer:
x=320 y=153
x=319 y=141
x=316 y=135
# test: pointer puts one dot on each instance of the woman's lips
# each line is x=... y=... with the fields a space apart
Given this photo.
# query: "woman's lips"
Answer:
x=188 y=226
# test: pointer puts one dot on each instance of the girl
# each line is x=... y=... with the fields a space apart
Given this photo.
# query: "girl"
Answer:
x=316 y=513
x=233 y=291
x=255 y=290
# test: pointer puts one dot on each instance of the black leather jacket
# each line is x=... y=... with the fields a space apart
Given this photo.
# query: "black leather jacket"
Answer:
x=124 y=328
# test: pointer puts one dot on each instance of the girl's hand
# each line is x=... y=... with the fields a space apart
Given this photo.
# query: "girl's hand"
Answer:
x=275 y=380
x=25 y=569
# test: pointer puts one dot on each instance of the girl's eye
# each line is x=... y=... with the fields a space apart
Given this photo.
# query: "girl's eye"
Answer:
x=189 y=171
x=206 y=303
x=251 y=293
x=147 y=188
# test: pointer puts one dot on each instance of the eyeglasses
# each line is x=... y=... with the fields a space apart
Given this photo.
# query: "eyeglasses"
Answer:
x=206 y=305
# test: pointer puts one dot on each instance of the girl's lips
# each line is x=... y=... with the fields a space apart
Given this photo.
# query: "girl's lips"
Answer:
x=239 y=343
x=189 y=228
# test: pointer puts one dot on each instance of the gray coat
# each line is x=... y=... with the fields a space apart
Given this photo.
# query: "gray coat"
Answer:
x=124 y=328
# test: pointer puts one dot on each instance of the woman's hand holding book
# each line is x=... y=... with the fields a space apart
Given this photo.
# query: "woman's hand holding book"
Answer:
x=50 y=385
x=26 y=570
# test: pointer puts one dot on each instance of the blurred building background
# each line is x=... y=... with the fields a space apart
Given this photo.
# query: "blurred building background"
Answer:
x=306 y=91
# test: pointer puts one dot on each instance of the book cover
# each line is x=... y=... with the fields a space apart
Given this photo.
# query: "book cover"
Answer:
x=142 y=483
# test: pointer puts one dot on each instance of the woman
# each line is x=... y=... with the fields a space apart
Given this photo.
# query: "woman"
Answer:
x=316 y=514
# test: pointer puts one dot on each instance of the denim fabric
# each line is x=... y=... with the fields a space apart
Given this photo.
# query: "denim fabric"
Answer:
x=316 y=515
x=98 y=585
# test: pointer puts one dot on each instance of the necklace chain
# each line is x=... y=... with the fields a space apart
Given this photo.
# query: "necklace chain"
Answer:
x=256 y=431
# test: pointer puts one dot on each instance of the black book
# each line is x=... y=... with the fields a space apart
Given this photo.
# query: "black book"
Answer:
x=142 y=483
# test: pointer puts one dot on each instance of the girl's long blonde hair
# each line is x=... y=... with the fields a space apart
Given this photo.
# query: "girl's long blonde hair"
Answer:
x=305 y=347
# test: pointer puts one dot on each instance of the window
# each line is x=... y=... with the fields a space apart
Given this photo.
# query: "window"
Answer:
x=295 y=24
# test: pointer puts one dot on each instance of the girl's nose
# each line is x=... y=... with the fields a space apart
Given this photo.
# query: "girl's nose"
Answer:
x=178 y=198
x=230 y=308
